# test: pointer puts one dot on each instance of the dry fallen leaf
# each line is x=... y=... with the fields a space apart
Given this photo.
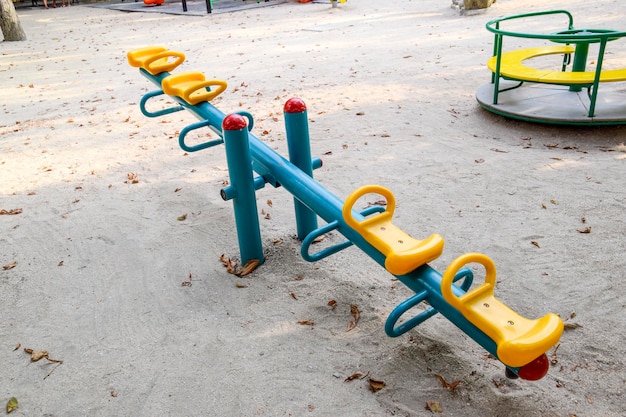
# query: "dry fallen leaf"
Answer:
x=376 y=385
x=240 y=285
x=230 y=265
x=182 y=217
x=434 y=407
x=17 y=346
x=377 y=203
x=248 y=267
x=571 y=326
x=332 y=304
x=319 y=239
x=356 y=314
x=131 y=178
x=187 y=283
x=293 y=295
x=11 y=212
x=306 y=322
x=450 y=386
x=9 y=266
x=11 y=405
x=356 y=375
x=553 y=357
x=535 y=243
x=36 y=355
x=585 y=230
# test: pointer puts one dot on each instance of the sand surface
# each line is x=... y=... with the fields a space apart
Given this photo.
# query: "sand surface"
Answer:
x=97 y=267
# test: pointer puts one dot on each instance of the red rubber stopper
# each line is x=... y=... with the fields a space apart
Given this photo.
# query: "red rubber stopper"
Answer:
x=234 y=122
x=535 y=370
x=295 y=105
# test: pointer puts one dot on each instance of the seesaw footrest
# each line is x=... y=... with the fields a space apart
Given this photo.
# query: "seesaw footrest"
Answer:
x=326 y=252
x=390 y=325
x=161 y=112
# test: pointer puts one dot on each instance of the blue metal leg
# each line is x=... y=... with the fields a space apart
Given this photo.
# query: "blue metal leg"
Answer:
x=239 y=162
x=297 y=129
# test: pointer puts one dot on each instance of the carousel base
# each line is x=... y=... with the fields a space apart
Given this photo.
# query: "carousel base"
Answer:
x=553 y=104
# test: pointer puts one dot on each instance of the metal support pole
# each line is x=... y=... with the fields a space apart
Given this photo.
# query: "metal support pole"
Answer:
x=239 y=161
x=297 y=129
x=580 y=62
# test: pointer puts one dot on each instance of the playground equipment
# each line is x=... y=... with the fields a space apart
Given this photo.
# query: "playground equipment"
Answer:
x=553 y=94
x=521 y=344
x=334 y=2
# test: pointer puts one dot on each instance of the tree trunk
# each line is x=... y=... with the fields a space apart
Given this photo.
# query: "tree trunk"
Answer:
x=10 y=23
x=477 y=4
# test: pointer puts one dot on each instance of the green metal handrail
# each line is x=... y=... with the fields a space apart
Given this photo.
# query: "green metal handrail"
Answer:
x=568 y=36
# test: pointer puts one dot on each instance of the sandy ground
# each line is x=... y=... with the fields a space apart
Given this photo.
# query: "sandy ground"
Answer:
x=95 y=264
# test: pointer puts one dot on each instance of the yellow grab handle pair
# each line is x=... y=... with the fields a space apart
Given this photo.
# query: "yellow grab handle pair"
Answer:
x=192 y=87
x=155 y=59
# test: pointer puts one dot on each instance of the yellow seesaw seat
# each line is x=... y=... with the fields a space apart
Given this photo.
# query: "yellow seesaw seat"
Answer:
x=403 y=253
x=155 y=59
x=519 y=340
x=192 y=87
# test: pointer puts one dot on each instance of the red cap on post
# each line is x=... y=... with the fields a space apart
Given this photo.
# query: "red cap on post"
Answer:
x=294 y=105
x=536 y=369
x=234 y=122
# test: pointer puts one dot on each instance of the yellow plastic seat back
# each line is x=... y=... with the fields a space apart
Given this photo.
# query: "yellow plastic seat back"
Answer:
x=403 y=253
x=519 y=340
x=155 y=59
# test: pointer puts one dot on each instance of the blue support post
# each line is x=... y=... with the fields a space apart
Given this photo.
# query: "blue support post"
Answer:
x=297 y=130
x=239 y=161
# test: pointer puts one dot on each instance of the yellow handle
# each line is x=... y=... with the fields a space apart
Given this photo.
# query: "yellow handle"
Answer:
x=346 y=212
x=193 y=97
x=154 y=59
x=164 y=66
x=455 y=266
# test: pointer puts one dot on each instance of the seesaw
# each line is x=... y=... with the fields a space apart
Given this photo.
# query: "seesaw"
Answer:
x=519 y=343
